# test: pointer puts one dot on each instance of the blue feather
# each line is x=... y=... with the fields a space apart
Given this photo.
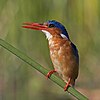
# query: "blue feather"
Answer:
x=60 y=26
x=75 y=51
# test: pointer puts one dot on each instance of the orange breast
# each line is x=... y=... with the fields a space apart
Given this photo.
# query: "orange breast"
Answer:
x=62 y=57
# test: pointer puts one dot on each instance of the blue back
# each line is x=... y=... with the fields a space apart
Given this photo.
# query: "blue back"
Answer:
x=60 y=26
x=75 y=51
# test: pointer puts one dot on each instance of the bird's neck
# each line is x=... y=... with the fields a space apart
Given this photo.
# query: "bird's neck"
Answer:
x=57 y=40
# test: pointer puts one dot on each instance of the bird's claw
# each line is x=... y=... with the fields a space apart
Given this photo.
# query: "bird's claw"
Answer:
x=67 y=85
x=50 y=73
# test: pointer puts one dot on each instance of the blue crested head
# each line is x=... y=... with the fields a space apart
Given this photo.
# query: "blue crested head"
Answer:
x=54 y=23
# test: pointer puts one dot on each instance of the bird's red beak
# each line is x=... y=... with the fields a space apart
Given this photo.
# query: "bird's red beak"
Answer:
x=35 y=26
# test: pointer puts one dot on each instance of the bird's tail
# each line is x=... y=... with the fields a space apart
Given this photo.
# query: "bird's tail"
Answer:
x=72 y=82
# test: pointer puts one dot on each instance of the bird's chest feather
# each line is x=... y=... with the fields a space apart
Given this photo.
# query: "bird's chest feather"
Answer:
x=60 y=54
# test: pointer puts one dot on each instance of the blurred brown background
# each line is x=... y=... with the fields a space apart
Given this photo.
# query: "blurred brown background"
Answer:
x=19 y=81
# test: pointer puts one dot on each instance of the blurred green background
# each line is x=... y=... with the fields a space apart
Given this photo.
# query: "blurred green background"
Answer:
x=18 y=81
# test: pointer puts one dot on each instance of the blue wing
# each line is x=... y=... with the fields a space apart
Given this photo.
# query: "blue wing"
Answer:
x=75 y=51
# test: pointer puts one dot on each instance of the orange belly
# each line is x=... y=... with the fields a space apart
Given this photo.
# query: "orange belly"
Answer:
x=63 y=59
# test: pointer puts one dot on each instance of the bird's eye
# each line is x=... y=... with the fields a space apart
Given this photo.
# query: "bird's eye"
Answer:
x=51 y=25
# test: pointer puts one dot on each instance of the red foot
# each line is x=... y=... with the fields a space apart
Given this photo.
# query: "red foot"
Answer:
x=50 y=73
x=67 y=85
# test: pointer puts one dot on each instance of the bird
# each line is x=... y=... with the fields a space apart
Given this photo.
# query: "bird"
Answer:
x=63 y=52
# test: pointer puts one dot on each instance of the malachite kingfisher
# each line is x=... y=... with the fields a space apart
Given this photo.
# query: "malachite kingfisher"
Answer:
x=63 y=52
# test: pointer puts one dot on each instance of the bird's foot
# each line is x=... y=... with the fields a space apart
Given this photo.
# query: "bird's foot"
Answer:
x=50 y=73
x=67 y=84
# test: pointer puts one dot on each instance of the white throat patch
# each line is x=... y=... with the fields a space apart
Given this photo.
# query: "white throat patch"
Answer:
x=48 y=35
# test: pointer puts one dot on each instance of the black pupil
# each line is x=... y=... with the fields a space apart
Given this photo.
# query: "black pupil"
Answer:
x=51 y=25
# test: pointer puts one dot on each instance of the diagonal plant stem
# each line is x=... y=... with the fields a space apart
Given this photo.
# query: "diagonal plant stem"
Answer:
x=42 y=70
